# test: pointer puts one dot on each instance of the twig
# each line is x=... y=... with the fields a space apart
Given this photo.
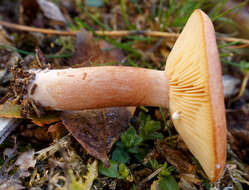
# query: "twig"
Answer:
x=40 y=30
x=230 y=39
x=239 y=46
x=243 y=86
x=151 y=176
x=119 y=33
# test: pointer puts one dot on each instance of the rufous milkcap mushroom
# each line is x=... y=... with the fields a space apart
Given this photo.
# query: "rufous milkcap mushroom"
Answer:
x=191 y=86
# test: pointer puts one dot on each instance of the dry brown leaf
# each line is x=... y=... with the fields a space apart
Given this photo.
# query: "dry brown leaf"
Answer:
x=88 y=52
x=152 y=155
x=37 y=134
x=57 y=130
x=175 y=157
x=46 y=119
x=110 y=51
x=186 y=185
x=97 y=130
x=191 y=178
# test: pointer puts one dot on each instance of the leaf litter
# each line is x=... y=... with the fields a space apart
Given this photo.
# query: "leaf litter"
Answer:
x=97 y=130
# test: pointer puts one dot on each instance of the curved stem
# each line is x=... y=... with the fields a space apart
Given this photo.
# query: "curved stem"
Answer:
x=98 y=87
x=243 y=86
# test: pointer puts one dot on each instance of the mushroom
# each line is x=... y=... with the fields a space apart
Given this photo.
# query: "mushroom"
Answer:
x=191 y=86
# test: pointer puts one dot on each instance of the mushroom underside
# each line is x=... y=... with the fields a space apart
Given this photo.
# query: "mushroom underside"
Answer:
x=196 y=93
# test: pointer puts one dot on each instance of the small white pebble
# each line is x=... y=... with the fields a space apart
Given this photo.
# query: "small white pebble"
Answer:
x=175 y=115
x=218 y=166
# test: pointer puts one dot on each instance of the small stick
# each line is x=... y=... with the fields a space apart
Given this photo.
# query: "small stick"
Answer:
x=119 y=33
x=243 y=86
x=148 y=178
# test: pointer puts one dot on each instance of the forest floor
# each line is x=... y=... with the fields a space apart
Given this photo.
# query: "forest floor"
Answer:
x=48 y=149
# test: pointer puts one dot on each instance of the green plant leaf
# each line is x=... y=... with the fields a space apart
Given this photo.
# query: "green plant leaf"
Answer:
x=166 y=180
x=154 y=164
x=123 y=170
x=116 y=170
x=149 y=127
x=112 y=171
x=120 y=155
x=130 y=138
x=141 y=153
x=168 y=183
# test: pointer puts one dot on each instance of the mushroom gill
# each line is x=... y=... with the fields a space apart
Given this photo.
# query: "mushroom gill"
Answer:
x=187 y=69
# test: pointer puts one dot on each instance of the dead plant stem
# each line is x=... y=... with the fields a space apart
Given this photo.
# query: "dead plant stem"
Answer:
x=114 y=33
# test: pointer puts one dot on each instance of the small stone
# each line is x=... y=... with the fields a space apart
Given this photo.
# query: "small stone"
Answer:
x=230 y=85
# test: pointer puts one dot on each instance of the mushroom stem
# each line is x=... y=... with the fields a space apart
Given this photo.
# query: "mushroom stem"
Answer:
x=99 y=87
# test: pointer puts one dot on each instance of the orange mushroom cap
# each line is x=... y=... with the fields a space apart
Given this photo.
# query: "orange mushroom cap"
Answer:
x=196 y=93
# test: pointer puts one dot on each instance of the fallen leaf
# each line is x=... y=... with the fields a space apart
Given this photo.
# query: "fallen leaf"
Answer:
x=191 y=178
x=26 y=160
x=175 y=157
x=8 y=110
x=97 y=130
x=152 y=155
x=49 y=118
x=111 y=51
x=93 y=54
x=51 y=11
x=186 y=185
x=37 y=134
x=57 y=130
